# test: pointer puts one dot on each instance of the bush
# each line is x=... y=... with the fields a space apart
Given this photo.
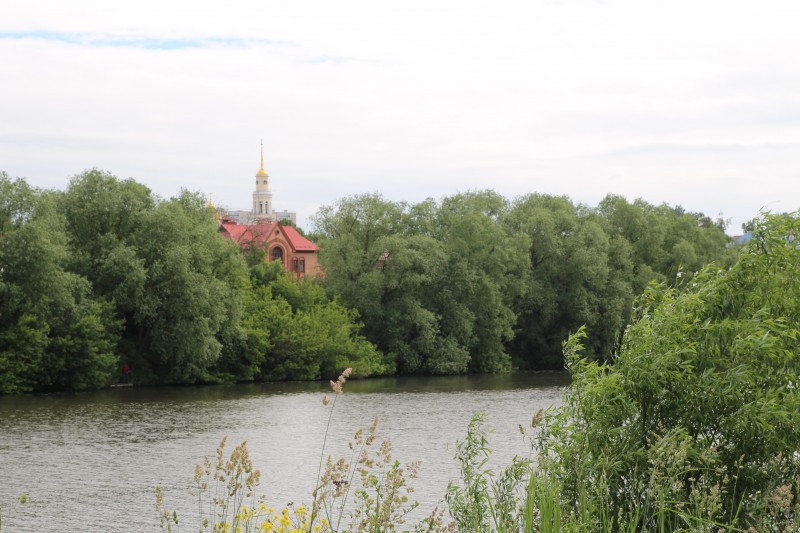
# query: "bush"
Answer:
x=696 y=422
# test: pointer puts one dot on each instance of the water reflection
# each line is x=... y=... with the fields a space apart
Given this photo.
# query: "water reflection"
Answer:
x=90 y=462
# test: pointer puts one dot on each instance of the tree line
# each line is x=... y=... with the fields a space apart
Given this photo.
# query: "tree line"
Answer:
x=106 y=274
x=477 y=283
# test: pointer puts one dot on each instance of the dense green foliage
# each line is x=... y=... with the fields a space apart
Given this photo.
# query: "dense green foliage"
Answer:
x=700 y=411
x=54 y=332
x=434 y=284
x=296 y=332
x=473 y=283
x=106 y=275
x=173 y=281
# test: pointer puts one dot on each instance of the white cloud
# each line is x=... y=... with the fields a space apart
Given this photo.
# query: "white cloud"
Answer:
x=692 y=103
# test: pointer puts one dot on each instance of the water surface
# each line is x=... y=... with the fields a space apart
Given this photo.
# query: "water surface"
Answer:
x=90 y=462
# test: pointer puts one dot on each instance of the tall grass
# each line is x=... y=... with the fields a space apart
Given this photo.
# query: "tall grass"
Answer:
x=366 y=491
x=528 y=496
x=369 y=492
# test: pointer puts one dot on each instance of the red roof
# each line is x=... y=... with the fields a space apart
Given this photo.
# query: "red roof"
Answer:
x=259 y=234
x=298 y=242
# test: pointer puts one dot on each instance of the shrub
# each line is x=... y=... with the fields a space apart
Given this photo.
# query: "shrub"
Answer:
x=696 y=422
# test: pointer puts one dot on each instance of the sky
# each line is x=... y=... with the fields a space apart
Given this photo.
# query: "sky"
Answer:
x=693 y=103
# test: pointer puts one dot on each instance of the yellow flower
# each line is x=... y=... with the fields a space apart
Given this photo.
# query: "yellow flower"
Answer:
x=301 y=510
x=266 y=527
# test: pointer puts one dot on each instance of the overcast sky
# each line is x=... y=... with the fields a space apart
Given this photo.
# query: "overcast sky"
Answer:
x=694 y=103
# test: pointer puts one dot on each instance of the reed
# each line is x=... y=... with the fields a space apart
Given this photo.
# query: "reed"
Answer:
x=367 y=491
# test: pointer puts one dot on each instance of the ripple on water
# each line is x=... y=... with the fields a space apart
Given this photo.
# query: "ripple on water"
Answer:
x=90 y=462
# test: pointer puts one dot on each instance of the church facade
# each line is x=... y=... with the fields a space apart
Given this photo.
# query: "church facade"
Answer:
x=261 y=228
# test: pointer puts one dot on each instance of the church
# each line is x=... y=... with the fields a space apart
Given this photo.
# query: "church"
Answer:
x=261 y=227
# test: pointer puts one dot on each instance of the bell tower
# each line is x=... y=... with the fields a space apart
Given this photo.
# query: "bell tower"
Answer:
x=262 y=197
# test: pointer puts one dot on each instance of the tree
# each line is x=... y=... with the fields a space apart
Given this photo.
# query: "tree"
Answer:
x=55 y=334
x=482 y=277
x=432 y=282
x=577 y=274
x=699 y=412
x=193 y=290
x=174 y=282
x=295 y=332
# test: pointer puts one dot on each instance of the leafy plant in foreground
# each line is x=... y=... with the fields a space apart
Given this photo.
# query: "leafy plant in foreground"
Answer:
x=482 y=502
x=696 y=424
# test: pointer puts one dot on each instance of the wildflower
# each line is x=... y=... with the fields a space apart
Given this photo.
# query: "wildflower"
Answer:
x=373 y=431
x=781 y=499
x=336 y=386
x=357 y=438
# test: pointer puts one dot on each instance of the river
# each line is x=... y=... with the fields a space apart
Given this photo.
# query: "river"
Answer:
x=91 y=461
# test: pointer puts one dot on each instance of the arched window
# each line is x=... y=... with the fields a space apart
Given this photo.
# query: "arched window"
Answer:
x=277 y=254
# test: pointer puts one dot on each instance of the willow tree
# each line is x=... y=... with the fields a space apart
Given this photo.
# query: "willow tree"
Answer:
x=432 y=282
x=54 y=333
x=173 y=281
